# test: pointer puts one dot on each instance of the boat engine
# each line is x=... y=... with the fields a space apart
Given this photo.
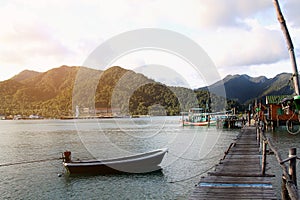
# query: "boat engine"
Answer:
x=67 y=156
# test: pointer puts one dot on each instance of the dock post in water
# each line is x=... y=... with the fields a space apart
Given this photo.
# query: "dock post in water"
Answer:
x=289 y=181
x=292 y=174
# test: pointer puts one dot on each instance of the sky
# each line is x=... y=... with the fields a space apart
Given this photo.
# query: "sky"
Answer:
x=239 y=36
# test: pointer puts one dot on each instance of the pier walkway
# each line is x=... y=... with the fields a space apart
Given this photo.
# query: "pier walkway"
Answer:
x=239 y=173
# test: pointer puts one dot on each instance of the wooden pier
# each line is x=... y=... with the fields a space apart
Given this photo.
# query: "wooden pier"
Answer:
x=240 y=174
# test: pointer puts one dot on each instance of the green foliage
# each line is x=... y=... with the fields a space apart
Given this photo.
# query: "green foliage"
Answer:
x=245 y=89
x=56 y=92
x=154 y=95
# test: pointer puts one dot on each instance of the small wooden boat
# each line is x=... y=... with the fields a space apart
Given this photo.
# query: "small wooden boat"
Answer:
x=140 y=163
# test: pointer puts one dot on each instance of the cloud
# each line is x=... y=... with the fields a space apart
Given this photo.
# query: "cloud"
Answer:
x=290 y=10
x=243 y=47
x=206 y=13
x=164 y=67
x=163 y=74
x=21 y=48
x=268 y=70
x=235 y=33
x=229 y=13
x=25 y=40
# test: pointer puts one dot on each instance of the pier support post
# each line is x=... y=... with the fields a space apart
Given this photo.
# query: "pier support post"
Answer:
x=284 y=191
x=208 y=124
x=292 y=166
x=264 y=158
x=258 y=135
x=249 y=118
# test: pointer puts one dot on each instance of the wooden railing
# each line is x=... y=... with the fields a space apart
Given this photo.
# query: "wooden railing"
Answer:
x=289 y=188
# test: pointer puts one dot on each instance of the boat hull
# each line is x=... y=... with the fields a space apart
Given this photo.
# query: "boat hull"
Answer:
x=142 y=163
x=187 y=123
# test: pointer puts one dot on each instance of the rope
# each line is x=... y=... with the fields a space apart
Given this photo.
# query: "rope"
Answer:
x=199 y=174
x=182 y=180
x=28 y=162
x=190 y=159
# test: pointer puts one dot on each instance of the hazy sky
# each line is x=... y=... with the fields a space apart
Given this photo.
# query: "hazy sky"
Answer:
x=240 y=36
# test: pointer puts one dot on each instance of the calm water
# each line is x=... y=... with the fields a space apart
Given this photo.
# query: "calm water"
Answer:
x=192 y=151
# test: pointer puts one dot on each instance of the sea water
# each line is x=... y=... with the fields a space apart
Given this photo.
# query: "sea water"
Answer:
x=31 y=149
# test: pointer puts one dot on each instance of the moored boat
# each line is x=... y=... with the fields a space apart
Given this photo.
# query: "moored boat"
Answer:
x=204 y=123
x=197 y=117
x=139 y=163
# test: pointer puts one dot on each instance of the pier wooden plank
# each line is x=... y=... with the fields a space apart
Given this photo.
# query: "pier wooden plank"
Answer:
x=238 y=176
x=229 y=179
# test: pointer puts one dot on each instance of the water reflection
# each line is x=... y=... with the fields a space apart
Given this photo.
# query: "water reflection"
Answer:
x=192 y=151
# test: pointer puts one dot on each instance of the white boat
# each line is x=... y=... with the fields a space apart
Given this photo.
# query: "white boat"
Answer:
x=197 y=117
x=202 y=123
x=139 y=163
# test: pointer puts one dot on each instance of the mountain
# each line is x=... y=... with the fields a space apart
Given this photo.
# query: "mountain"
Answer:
x=32 y=92
x=56 y=92
x=244 y=88
x=26 y=74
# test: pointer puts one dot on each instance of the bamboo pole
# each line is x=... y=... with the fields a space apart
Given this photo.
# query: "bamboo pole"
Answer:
x=289 y=45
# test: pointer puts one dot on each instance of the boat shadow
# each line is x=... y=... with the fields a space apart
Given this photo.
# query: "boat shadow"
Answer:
x=157 y=173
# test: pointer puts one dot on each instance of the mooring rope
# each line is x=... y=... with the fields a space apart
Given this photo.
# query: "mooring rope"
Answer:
x=189 y=178
x=28 y=162
x=190 y=159
x=196 y=175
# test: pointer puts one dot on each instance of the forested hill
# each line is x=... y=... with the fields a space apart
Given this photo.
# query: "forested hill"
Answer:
x=32 y=92
x=244 y=89
x=55 y=93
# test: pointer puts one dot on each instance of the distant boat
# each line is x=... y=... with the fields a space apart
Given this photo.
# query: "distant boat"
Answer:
x=197 y=117
x=140 y=163
x=206 y=123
